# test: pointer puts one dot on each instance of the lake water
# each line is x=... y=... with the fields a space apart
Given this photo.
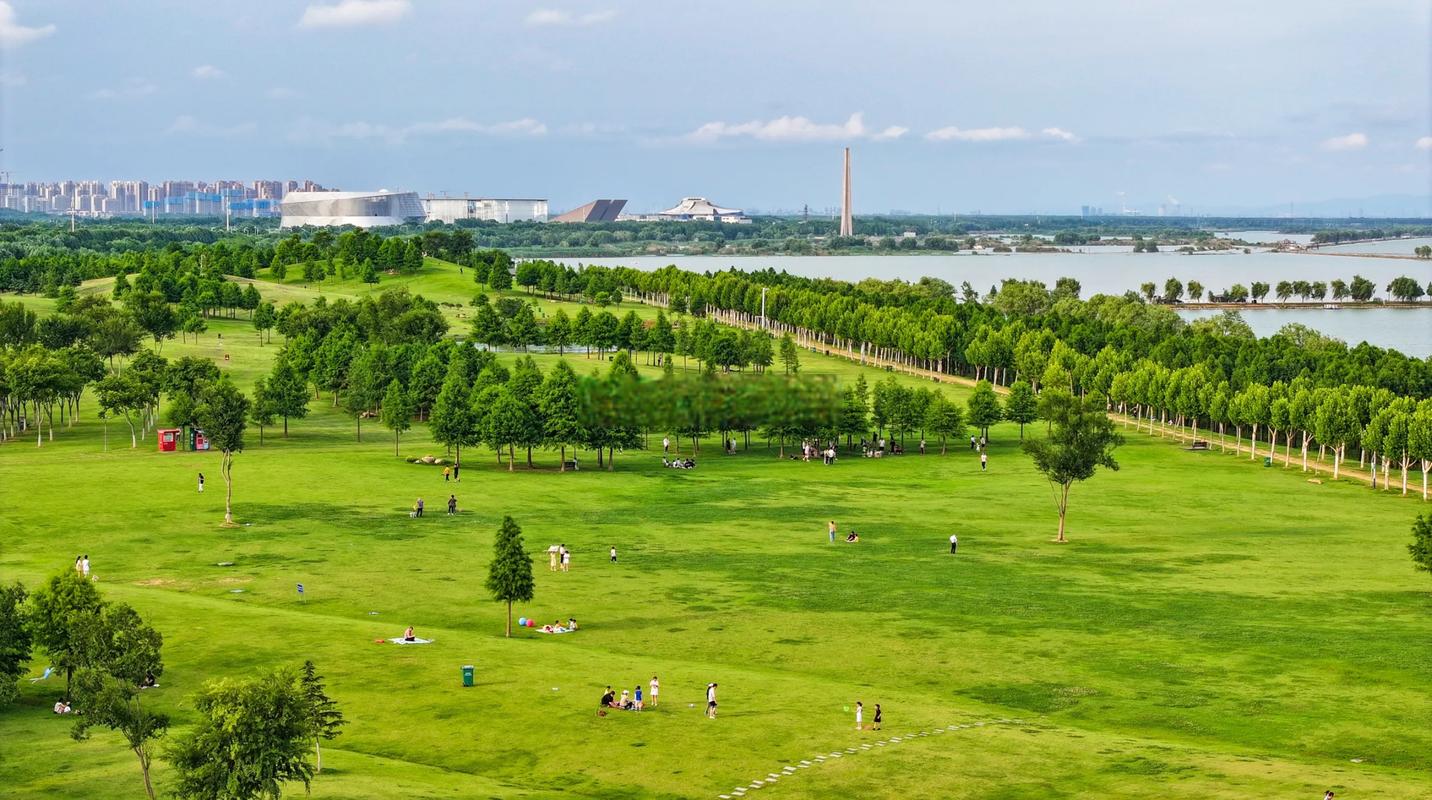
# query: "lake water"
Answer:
x=1408 y=330
x=1400 y=247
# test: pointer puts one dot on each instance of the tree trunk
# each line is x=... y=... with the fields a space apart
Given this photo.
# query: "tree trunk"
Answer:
x=563 y=463
x=395 y=443
x=509 y=619
x=317 y=754
x=227 y=469
x=1063 y=509
x=511 y=457
x=144 y=770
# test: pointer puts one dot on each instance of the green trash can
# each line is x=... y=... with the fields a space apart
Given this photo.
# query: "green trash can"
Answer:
x=467 y=675
x=1267 y=461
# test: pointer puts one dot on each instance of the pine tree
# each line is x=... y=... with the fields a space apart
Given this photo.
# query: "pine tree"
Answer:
x=509 y=576
x=452 y=422
x=324 y=718
x=397 y=411
x=559 y=409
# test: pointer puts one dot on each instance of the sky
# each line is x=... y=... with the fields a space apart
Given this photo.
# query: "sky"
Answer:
x=1016 y=106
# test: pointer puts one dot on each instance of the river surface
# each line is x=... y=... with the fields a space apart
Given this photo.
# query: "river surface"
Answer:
x=1407 y=330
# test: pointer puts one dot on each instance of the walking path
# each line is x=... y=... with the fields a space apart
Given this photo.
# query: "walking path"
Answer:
x=770 y=778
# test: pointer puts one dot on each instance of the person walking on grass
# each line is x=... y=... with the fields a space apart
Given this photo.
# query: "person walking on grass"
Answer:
x=201 y=483
x=566 y=559
x=972 y=443
x=456 y=472
x=419 y=507
x=859 y=716
x=922 y=447
x=452 y=505
x=711 y=701
x=876 y=724
x=984 y=461
x=614 y=554
x=954 y=543
x=84 y=566
x=637 y=694
x=655 y=690
x=831 y=529
x=665 y=445
x=447 y=474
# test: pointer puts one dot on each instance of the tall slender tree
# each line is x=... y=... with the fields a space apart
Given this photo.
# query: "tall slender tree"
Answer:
x=509 y=576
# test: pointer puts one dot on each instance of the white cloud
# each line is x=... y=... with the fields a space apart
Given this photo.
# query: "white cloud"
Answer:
x=1425 y=143
x=553 y=18
x=309 y=130
x=188 y=125
x=954 y=134
x=795 y=129
x=132 y=89
x=997 y=134
x=12 y=80
x=1352 y=141
x=281 y=93
x=206 y=72
x=346 y=13
x=13 y=34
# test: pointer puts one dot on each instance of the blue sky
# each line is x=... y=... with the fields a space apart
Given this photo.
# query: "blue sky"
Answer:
x=951 y=106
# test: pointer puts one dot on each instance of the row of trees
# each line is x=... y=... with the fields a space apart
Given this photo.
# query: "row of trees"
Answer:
x=1382 y=427
x=252 y=736
x=926 y=326
x=1360 y=289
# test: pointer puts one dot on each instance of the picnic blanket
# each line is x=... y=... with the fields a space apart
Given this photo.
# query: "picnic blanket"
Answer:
x=401 y=640
x=554 y=631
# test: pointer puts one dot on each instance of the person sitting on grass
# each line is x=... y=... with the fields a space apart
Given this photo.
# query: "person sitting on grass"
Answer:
x=408 y=635
x=61 y=707
x=571 y=623
x=852 y=537
x=608 y=701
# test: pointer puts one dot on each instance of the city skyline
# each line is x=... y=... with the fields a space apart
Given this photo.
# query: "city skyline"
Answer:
x=971 y=109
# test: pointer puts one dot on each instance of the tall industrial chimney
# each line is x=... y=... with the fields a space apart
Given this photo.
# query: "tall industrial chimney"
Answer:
x=847 y=224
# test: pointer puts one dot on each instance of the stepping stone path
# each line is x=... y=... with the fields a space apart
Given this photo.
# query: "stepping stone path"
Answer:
x=815 y=761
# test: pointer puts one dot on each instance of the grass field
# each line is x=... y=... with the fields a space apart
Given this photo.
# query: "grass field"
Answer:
x=1214 y=630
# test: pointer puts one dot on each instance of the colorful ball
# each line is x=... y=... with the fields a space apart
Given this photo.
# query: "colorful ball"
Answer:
x=521 y=622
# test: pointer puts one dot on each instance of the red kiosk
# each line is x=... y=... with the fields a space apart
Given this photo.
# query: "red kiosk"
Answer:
x=169 y=439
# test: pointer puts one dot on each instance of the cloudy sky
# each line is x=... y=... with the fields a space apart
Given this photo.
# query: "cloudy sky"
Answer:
x=950 y=106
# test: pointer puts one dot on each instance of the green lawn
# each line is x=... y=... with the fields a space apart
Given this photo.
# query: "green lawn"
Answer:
x=1214 y=630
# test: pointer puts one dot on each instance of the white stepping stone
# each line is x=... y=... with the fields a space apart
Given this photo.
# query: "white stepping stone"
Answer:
x=803 y=766
x=807 y=763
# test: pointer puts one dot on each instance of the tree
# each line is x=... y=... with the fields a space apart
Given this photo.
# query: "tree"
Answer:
x=1195 y=291
x=945 y=418
x=14 y=640
x=287 y=392
x=1361 y=289
x=265 y=317
x=1421 y=547
x=559 y=409
x=126 y=653
x=1147 y=288
x=1259 y=290
x=324 y=718
x=1081 y=439
x=509 y=576
x=252 y=737
x=1021 y=406
x=223 y=414
x=125 y=394
x=452 y=421
x=397 y=411
x=1405 y=289
x=364 y=386
x=261 y=411
x=558 y=331
x=508 y=422
x=64 y=613
x=984 y=408
x=1173 y=290
x=790 y=355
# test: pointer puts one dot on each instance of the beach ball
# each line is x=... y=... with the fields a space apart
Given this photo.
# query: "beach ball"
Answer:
x=531 y=623
x=521 y=622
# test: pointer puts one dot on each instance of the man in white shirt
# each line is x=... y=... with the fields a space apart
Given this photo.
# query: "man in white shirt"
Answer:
x=954 y=542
